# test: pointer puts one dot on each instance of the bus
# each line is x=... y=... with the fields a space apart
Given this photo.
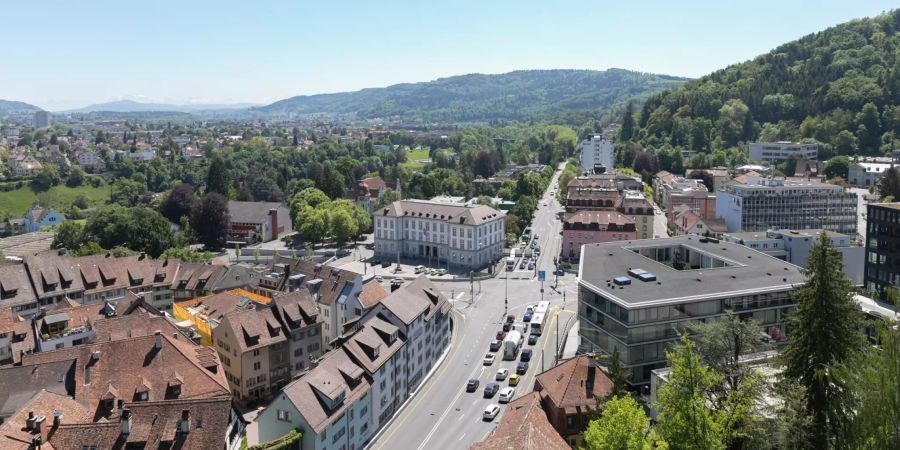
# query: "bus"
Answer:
x=511 y=261
x=537 y=323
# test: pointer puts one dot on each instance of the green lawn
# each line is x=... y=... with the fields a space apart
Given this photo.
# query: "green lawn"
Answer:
x=421 y=153
x=17 y=202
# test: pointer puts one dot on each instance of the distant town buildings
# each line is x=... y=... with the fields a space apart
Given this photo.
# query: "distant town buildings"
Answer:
x=882 y=260
x=794 y=246
x=593 y=227
x=596 y=152
x=41 y=120
x=779 y=152
x=756 y=203
x=37 y=218
x=633 y=297
x=441 y=234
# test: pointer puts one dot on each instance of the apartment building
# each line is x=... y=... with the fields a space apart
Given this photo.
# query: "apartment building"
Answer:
x=794 y=247
x=16 y=293
x=449 y=235
x=758 y=204
x=882 y=263
x=635 y=296
x=672 y=191
x=597 y=151
x=719 y=176
x=593 y=227
x=687 y=221
x=778 y=152
x=635 y=205
x=262 y=348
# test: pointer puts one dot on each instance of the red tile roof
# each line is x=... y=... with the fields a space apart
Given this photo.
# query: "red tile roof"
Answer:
x=523 y=426
x=567 y=385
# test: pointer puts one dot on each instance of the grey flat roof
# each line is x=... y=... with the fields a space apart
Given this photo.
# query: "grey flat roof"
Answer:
x=751 y=272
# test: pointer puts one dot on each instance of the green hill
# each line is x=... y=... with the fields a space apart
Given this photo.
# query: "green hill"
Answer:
x=840 y=87
x=480 y=98
x=11 y=107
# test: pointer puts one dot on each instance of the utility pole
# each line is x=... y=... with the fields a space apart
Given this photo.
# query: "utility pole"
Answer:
x=556 y=357
x=472 y=286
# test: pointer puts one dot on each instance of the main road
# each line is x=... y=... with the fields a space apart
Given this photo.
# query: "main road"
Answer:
x=442 y=414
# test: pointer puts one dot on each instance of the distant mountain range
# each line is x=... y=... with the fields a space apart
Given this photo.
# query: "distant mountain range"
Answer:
x=515 y=95
x=11 y=107
x=124 y=106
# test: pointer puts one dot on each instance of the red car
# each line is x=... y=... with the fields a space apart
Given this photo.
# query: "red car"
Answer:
x=500 y=335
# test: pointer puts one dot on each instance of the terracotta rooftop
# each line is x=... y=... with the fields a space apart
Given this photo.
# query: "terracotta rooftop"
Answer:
x=14 y=434
x=414 y=299
x=448 y=212
x=254 y=328
x=332 y=280
x=523 y=426
x=371 y=293
x=15 y=287
x=374 y=343
x=569 y=385
x=296 y=309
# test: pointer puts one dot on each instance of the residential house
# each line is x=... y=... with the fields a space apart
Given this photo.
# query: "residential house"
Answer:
x=866 y=173
x=253 y=222
x=206 y=313
x=719 y=176
x=54 y=277
x=523 y=426
x=593 y=227
x=687 y=221
x=570 y=393
x=24 y=165
x=90 y=160
x=37 y=218
x=368 y=192
x=636 y=206
x=16 y=293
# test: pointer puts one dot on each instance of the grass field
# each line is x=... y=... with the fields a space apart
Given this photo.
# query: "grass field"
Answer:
x=412 y=156
x=60 y=197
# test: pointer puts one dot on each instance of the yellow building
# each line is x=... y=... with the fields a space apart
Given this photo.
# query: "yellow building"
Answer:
x=204 y=313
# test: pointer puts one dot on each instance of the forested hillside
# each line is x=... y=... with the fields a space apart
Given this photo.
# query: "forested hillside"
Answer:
x=840 y=87
x=516 y=95
x=11 y=107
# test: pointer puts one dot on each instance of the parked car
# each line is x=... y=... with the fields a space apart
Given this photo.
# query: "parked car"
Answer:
x=496 y=344
x=514 y=380
x=560 y=271
x=374 y=262
x=507 y=326
x=531 y=265
x=527 y=317
x=510 y=318
x=501 y=374
x=491 y=412
x=379 y=278
x=526 y=355
x=442 y=271
x=491 y=389
x=532 y=339
x=420 y=269
x=472 y=385
x=385 y=264
x=522 y=368
x=488 y=359
x=506 y=395
x=500 y=335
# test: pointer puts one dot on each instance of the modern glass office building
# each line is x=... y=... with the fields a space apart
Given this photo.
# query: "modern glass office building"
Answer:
x=635 y=296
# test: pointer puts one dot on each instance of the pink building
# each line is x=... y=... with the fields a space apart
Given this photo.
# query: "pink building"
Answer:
x=594 y=227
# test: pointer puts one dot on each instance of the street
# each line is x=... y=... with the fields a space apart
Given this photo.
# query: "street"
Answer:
x=442 y=414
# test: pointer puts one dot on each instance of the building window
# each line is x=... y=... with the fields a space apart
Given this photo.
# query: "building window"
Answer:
x=256 y=365
x=284 y=416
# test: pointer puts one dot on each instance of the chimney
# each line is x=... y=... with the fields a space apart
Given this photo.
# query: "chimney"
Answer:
x=57 y=417
x=95 y=356
x=157 y=339
x=125 y=422
x=273 y=217
x=29 y=422
x=39 y=428
x=62 y=252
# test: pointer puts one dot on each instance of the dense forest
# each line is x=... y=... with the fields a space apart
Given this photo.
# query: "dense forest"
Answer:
x=839 y=87
x=519 y=95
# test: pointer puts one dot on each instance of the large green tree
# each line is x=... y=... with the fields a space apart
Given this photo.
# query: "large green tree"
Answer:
x=621 y=426
x=210 y=220
x=824 y=336
x=217 y=179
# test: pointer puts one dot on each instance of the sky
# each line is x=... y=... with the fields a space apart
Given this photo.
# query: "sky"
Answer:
x=63 y=54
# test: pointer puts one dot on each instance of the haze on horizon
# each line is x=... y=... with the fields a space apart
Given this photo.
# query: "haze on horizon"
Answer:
x=66 y=55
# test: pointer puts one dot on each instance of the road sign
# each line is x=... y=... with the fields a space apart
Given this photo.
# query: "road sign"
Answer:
x=542 y=275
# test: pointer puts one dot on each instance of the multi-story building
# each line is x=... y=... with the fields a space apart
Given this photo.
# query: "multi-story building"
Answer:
x=882 y=266
x=90 y=160
x=594 y=227
x=16 y=293
x=455 y=236
x=636 y=206
x=635 y=296
x=759 y=204
x=688 y=221
x=719 y=176
x=253 y=222
x=570 y=392
x=778 y=152
x=866 y=173
x=794 y=246
x=673 y=191
x=596 y=152
x=41 y=119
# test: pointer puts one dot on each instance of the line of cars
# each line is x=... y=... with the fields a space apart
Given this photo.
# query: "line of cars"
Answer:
x=509 y=340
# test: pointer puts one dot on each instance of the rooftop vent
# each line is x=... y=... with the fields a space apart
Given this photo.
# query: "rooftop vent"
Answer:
x=622 y=281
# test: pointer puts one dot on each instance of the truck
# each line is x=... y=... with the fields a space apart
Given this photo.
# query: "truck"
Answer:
x=511 y=345
x=511 y=261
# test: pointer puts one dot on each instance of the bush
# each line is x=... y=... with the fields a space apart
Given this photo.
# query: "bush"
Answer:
x=290 y=441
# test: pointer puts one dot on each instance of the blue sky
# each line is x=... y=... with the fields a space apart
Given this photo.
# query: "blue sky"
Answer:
x=61 y=54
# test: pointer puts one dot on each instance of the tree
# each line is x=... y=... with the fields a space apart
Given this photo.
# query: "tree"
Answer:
x=46 y=178
x=343 y=226
x=311 y=223
x=825 y=335
x=838 y=166
x=868 y=132
x=685 y=421
x=622 y=426
x=179 y=203
x=485 y=164
x=707 y=178
x=210 y=220
x=187 y=255
x=217 y=176
x=126 y=191
x=76 y=177
x=889 y=184
x=139 y=228
x=69 y=235
x=627 y=130
x=619 y=374
x=387 y=197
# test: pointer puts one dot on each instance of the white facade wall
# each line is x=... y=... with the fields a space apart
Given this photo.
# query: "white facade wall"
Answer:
x=778 y=152
x=866 y=174
x=597 y=150
x=445 y=244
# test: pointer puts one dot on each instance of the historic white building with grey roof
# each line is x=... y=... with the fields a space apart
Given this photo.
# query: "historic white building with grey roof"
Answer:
x=442 y=234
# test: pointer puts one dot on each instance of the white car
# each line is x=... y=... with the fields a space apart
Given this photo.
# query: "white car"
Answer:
x=489 y=359
x=507 y=394
x=502 y=374
x=491 y=412
x=378 y=278
x=442 y=272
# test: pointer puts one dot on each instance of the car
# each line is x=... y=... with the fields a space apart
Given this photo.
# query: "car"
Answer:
x=506 y=395
x=500 y=335
x=531 y=265
x=529 y=309
x=537 y=250
x=374 y=262
x=510 y=318
x=536 y=236
x=488 y=359
x=532 y=339
x=379 y=278
x=491 y=389
x=420 y=269
x=526 y=355
x=496 y=344
x=490 y=412
x=514 y=379
x=544 y=204
x=507 y=326
x=472 y=385
x=522 y=368
x=442 y=271
x=560 y=271
x=527 y=317
x=502 y=374
x=385 y=264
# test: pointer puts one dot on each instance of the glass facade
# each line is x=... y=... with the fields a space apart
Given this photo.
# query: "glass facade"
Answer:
x=642 y=335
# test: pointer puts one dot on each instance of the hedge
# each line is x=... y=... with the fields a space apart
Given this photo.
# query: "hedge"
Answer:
x=290 y=441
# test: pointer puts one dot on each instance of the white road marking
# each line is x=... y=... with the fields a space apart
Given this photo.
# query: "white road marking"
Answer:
x=461 y=437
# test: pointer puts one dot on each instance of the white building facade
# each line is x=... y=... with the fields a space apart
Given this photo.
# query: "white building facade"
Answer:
x=778 y=152
x=443 y=234
x=597 y=151
x=866 y=173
